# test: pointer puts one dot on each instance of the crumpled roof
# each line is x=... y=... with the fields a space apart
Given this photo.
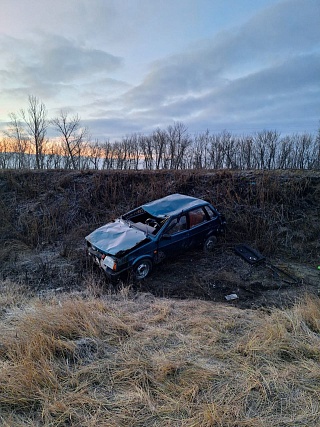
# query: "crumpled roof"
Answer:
x=172 y=205
x=116 y=237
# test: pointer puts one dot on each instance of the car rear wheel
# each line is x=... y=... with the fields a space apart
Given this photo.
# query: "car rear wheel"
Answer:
x=210 y=244
x=142 y=269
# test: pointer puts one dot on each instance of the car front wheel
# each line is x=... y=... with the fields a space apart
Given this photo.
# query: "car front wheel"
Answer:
x=142 y=269
x=210 y=244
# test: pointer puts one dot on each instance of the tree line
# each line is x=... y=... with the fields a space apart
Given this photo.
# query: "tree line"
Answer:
x=25 y=145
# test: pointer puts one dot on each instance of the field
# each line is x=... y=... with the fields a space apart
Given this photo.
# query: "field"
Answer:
x=171 y=351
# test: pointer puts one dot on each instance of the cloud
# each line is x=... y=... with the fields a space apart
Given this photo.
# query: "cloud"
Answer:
x=55 y=59
x=260 y=71
x=271 y=60
x=55 y=68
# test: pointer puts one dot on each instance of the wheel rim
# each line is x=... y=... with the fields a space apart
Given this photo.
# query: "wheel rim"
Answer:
x=210 y=244
x=142 y=270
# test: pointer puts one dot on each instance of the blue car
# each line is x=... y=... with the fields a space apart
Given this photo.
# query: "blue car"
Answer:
x=152 y=232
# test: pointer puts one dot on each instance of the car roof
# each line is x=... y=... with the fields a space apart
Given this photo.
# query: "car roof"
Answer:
x=172 y=205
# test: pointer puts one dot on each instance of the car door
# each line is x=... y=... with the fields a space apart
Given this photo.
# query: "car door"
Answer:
x=175 y=237
x=199 y=226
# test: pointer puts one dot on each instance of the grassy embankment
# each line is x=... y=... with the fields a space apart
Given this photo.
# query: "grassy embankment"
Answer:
x=90 y=358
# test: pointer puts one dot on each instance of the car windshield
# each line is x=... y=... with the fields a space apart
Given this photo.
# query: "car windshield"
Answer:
x=143 y=221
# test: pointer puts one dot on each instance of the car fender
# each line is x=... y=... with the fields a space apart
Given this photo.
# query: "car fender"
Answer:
x=212 y=232
x=139 y=258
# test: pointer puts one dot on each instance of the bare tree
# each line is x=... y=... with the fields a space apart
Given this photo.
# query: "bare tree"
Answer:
x=301 y=151
x=35 y=120
x=246 y=149
x=160 y=142
x=266 y=148
x=179 y=141
x=316 y=151
x=19 y=141
x=72 y=136
x=94 y=154
x=131 y=145
x=145 y=145
x=285 y=153
x=223 y=151
x=216 y=152
x=109 y=155
x=200 y=150
x=5 y=154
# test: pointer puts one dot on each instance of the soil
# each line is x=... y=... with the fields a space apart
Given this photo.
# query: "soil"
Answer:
x=223 y=275
x=47 y=214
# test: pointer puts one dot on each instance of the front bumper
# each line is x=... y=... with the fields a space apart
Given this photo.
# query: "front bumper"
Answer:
x=98 y=260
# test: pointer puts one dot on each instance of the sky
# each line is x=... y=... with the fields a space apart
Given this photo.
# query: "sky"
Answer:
x=132 y=66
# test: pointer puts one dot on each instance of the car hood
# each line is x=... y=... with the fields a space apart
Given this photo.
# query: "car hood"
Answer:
x=116 y=238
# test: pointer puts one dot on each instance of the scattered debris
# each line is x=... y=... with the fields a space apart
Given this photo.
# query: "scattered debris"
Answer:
x=282 y=275
x=231 y=297
x=252 y=256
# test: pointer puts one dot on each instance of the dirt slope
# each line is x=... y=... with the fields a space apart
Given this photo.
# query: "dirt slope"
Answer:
x=45 y=216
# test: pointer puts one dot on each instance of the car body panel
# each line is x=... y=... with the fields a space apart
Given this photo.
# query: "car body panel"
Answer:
x=173 y=245
x=116 y=237
x=171 y=205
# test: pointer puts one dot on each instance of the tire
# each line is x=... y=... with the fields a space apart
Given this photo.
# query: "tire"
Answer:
x=210 y=244
x=142 y=269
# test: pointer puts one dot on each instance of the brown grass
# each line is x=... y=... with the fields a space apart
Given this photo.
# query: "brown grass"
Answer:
x=267 y=209
x=96 y=359
x=81 y=360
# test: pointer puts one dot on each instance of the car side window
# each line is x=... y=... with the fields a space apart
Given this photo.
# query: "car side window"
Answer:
x=196 y=217
x=176 y=225
x=210 y=212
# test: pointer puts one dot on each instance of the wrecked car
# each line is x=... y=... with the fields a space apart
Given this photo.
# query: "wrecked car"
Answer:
x=152 y=232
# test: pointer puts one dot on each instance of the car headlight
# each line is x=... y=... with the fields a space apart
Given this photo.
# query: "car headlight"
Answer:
x=110 y=262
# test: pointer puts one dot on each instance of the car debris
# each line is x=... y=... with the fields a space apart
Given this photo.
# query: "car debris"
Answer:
x=152 y=232
x=231 y=297
x=252 y=256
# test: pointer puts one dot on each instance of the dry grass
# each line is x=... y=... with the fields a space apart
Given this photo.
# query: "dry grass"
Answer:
x=267 y=209
x=119 y=361
x=91 y=359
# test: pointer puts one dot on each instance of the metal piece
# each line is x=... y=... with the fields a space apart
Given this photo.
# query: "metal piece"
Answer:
x=231 y=297
x=252 y=256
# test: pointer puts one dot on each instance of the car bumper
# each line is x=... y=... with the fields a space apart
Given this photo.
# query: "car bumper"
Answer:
x=98 y=260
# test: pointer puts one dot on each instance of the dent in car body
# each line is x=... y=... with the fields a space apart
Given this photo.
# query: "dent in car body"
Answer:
x=116 y=238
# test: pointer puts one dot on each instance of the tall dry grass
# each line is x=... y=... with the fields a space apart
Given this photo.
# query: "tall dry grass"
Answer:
x=266 y=209
x=119 y=361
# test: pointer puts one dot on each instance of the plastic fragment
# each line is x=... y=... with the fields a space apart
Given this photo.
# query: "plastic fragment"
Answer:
x=231 y=297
